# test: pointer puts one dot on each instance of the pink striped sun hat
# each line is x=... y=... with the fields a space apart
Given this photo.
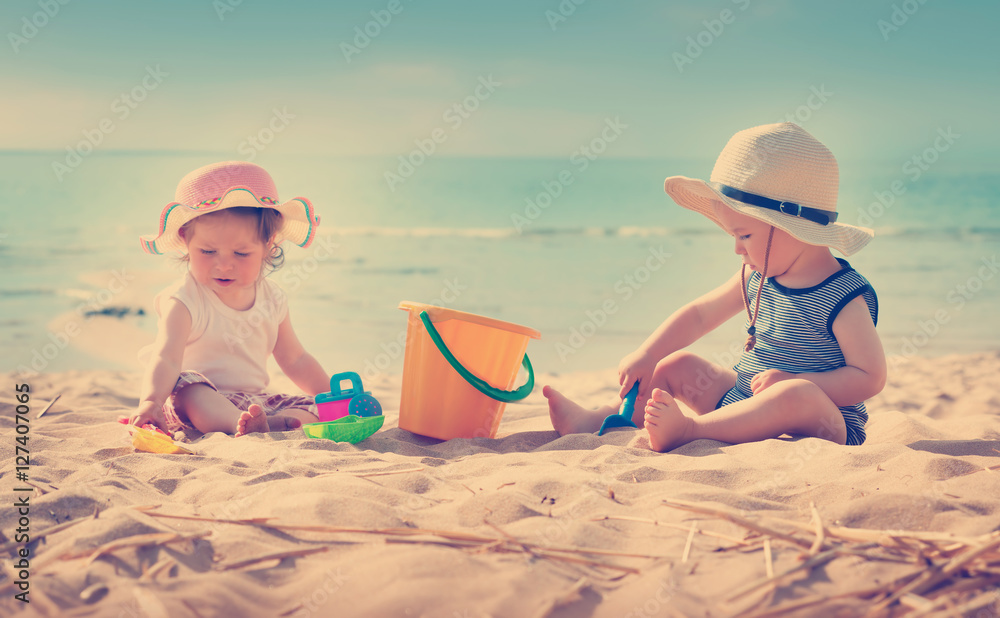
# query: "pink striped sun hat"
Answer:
x=227 y=185
x=779 y=174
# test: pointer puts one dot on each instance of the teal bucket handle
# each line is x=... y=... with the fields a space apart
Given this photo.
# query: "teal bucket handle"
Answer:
x=337 y=379
x=482 y=386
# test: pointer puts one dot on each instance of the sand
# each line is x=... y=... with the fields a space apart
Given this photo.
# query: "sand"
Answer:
x=933 y=433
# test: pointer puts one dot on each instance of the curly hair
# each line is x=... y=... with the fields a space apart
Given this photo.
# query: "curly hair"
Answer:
x=268 y=222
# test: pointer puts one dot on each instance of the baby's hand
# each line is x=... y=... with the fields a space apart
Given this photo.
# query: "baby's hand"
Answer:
x=767 y=378
x=636 y=367
x=148 y=412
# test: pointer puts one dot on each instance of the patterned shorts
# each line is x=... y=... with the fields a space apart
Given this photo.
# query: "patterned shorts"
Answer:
x=271 y=404
x=854 y=421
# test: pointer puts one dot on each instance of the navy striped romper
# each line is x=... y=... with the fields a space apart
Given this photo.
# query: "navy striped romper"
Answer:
x=795 y=334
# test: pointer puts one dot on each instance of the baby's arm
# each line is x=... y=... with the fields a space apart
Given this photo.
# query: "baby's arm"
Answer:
x=864 y=375
x=164 y=367
x=299 y=365
x=681 y=329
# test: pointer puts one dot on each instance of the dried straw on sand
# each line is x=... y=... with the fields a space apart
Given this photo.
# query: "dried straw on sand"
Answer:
x=527 y=524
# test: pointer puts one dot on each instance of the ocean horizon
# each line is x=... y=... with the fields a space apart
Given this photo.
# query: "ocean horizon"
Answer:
x=594 y=256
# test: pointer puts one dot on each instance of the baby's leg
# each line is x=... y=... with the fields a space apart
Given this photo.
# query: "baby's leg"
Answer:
x=793 y=406
x=254 y=420
x=292 y=418
x=207 y=409
x=694 y=380
x=287 y=412
x=570 y=417
x=691 y=379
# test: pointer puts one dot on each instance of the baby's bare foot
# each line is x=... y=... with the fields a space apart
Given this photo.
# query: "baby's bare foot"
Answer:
x=569 y=417
x=252 y=421
x=668 y=427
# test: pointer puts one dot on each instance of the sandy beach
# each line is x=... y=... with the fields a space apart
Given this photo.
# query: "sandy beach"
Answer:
x=526 y=524
x=564 y=166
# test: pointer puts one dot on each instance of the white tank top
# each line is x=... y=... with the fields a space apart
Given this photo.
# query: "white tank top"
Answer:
x=227 y=346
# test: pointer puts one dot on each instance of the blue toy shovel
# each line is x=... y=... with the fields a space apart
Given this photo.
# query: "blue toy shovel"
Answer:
x=624 y=417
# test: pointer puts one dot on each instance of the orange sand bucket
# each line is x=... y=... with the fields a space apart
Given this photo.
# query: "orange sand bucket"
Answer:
x=457 y=372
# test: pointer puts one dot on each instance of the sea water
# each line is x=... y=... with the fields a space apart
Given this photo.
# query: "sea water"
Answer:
x=593 y=256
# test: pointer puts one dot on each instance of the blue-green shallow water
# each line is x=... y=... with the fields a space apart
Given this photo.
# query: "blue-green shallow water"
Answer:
x=610 y=239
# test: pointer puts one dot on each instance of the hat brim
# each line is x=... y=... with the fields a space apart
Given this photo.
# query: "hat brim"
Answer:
x=697 y=195
x=299 y=220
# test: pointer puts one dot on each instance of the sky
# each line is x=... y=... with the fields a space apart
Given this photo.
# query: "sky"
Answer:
x=874 y=79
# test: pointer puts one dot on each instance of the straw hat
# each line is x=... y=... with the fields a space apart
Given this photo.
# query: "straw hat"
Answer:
x=227 y=185
x=779 y=174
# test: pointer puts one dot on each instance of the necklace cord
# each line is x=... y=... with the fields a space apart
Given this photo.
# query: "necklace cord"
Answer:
x=752 y=330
